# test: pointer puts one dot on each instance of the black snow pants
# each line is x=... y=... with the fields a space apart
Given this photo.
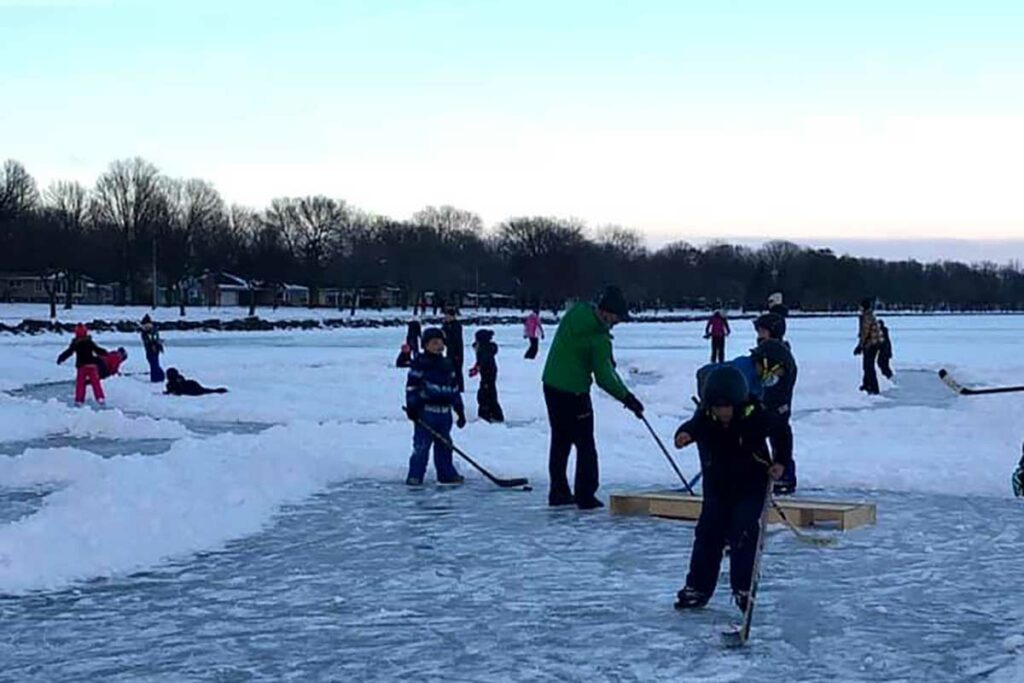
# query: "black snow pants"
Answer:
x=870 y=382
x=571 y=417
x=883 y=364
x=488 y=407
x=780 y=436
x=531 y=351
x=718 y=349
x=730 y=516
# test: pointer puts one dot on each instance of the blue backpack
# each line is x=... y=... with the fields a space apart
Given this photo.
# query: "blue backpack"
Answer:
x=745 y=364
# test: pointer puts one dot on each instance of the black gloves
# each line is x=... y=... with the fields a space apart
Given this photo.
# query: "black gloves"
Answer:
x=413 y=413
x=461 y=421
x=859 y=350
x=633 y=403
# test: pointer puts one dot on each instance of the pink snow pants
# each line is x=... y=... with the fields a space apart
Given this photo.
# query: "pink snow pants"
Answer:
x=88 y=374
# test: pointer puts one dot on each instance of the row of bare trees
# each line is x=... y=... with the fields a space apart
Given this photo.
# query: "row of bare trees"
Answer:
x=134 y=217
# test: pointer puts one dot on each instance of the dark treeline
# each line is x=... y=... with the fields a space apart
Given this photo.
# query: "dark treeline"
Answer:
x=111 y=231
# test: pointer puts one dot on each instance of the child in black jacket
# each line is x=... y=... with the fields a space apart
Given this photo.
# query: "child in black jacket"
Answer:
x=730 y=430
x=486 y=366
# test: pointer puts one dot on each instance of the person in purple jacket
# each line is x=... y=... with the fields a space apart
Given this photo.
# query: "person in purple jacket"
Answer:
x=717 y=330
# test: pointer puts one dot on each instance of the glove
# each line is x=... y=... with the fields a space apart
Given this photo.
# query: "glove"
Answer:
x=633 y=403
x=859 y=350
x=413 y=413
x=461 y=421
x=474 y=371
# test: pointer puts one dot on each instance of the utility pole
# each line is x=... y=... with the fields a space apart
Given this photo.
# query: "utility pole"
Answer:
x=156 y=288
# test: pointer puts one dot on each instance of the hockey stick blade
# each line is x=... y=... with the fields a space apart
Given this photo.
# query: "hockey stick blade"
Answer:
x=511 y=483
x=966 y=391
x=734 y=638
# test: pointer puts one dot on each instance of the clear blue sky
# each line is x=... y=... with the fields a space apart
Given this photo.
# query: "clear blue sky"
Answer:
x=746 y=118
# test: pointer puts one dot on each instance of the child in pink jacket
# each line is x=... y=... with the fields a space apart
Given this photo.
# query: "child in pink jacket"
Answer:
x=533 y=331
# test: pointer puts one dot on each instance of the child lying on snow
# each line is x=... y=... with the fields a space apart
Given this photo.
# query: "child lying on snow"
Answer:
x=179 y=385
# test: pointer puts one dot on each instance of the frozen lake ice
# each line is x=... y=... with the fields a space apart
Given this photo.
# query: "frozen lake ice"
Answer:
x=265 y=535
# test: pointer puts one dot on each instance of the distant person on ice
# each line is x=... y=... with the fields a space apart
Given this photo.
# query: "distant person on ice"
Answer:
x=110 y=364
x=431 y=395
x=776 y=306
x=154 y=347
x=412 y=337
x=885 y=351
x=580 y=353
x=869 y=343
x=730 y=431
x=534 y=332
x=452 y=329
x=717 y=330
x=179 y=385
x=488 y=408
x=87 y=359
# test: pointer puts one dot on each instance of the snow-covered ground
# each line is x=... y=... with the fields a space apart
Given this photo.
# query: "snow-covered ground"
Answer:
x=265 y=533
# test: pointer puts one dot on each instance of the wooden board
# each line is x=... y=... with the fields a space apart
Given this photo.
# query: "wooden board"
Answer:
x=801 y=512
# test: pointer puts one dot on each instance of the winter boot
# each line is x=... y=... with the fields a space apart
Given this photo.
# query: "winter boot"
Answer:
x=457 y=480
x=413 y=481
x=691 y=598
x=592 y=504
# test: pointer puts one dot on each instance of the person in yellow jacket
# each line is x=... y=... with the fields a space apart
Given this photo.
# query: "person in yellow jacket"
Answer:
x=869 y=343
x=581 y=353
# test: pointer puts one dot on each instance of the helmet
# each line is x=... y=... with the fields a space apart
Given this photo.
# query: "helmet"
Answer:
x=726 y=386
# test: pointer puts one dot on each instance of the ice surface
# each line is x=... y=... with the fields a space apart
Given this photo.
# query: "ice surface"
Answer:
x=263 y=533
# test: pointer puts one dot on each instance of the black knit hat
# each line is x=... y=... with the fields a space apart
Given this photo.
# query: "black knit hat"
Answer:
x=726 y=386
x=431 y=333
x=483 y=335
x=774 y=323
x=613 y=301
x=867 y=303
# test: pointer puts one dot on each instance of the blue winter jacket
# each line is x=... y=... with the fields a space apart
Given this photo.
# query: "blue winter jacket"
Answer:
x=432 y=383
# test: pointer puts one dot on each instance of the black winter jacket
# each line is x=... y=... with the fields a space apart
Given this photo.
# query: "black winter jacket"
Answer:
x=453 y=341
x=86 y=352
x=734 y=458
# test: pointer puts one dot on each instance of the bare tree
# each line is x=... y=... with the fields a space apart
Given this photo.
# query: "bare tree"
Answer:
x=196 y=213
x=448 y=220
x=68 y=202
x=129 y=197
x=18 y=192
x=623 y=242
x=314 y=228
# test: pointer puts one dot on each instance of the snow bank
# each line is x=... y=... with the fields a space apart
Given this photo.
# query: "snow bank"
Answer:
x=26 y=420
x=110 y=517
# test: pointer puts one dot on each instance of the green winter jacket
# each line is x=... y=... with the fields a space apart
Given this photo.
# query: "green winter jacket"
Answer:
x=582 y=348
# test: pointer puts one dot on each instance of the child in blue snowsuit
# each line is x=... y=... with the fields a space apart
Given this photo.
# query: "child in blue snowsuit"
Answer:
x=431 y=395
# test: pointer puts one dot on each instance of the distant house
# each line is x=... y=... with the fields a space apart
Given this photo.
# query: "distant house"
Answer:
x=293 y=295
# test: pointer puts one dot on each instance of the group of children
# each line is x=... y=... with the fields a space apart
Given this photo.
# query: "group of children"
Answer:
x=435 y=384
x=93 y=364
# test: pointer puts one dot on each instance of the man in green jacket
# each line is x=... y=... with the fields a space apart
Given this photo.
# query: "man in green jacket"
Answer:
x=580 y=353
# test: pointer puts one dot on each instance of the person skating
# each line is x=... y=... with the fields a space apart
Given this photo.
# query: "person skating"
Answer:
x=154 y=347
x=869 y=342
x=885 y=351
x=776 y=306
x=771 y=326
x=777 y=370
x=488 y=407
x=730 y=431
x=452 y=329
x=412 y=337
x=87 y=359
x=581 y=353
x=717 y=329
x=431 y=395
x=534 y=332
x=179 y=385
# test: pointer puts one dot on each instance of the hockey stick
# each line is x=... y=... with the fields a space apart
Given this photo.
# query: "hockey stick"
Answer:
x=503 y=483
x=664 y=450
x=820 y=541
x=965 y=391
